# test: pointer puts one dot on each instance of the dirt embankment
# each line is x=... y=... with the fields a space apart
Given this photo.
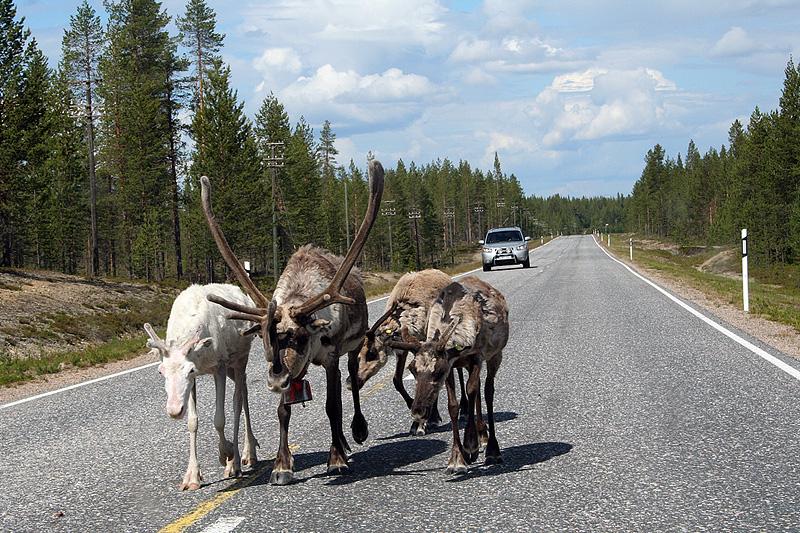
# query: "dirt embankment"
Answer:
x=46 y=312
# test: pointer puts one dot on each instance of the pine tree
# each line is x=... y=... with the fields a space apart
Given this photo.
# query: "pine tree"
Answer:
x=136 y=72
x=13 y=40
x=230 y=158
x=81 y=47
x=302 y=184
x=198 y=33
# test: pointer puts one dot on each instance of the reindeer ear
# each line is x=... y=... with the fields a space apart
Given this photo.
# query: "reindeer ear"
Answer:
x=202 y=343
x=319 y=324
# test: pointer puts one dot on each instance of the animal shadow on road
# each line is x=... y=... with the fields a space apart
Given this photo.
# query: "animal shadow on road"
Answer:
x=516 y=459
x=386 y=460
x=502 y=416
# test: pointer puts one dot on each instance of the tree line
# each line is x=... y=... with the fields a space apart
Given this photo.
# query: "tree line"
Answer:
x=752 y=183
x=101 y=157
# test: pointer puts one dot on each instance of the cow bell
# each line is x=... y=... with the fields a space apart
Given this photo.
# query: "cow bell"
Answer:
x=299 y=391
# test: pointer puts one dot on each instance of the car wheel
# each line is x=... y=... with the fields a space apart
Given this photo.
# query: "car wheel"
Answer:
x=526 y=263
x=487 y=268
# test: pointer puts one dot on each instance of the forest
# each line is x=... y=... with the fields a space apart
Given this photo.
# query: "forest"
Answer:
x=752 y=183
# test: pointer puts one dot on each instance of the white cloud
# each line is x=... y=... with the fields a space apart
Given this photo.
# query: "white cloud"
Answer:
x=515 y=54
x=278 y=59
x=477 y=76
x=735 y=42
x=328 y=85
x=386 y=21
x=602 y=104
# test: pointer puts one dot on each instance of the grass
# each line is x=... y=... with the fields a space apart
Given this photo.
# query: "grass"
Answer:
x=115 y=335
x=18 y=370
x=774 y=290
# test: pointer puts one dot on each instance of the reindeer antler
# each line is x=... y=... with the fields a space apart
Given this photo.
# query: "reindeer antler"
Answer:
x=389 y=312
x=408 y=343
x=262 y=314
x=332 y=294
x=155 y=341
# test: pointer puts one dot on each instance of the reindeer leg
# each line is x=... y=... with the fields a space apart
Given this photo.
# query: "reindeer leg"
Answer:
x=492 y=448
x=337 y=458
x=235 y=470
x=228 y=452
x=464 y=406
x=192 y=478
x=456 y=464
x=397 y=380
x=471 y=432
x=359 y=426
x=282 y=468
x=250 y=443
x=434 y=418
x=483 y=433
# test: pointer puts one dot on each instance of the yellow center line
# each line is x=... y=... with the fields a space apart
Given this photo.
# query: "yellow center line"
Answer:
x=203 y=508
x=207 y=506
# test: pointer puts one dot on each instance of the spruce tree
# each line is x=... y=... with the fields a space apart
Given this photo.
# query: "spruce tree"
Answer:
x=81 y=47
x=13 y=40
x=198 y=33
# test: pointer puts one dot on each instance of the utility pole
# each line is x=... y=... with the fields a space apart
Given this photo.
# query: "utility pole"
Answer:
x=450 y=216
x=501 y=203
x=346 y=216
x=478 y=209
x=389 y=211
x=274 y=162
x=415 y=214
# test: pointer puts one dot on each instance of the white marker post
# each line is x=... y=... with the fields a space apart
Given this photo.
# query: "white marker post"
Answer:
x=247 y=267
x=630 y=242
x=609 y=240
x=542 y=238
x=745 y=284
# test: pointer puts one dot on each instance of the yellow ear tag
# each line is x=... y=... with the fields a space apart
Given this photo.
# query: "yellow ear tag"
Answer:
x=389 y=331
x=458 y=347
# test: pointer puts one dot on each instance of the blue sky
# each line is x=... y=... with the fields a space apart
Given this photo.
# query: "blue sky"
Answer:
x=571 y=94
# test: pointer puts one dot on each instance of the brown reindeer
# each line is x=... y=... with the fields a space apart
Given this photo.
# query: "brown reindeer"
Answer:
x=467 y=325
x=318 y=312
x=407 y=307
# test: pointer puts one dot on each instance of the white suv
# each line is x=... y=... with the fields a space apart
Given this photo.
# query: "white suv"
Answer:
x=505 y=246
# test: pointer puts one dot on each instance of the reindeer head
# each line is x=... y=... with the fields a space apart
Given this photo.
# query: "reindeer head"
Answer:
x=291 y=332
x=431 y=365
x=178 y=366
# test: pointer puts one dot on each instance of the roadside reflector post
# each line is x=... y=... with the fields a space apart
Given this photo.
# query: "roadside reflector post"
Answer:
x=630 y=242
x=745 y=283
x=542 y=238
x=609 y=240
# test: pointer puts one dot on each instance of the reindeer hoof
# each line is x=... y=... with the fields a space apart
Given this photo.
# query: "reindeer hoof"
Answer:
x=417 y=429
x=470 y=456
x=281 y=478
x=493 y=460
x=348 y=383
x=249 y=461
x=189 y=486
x=231 y=470
x=338 y=470
x=456 y=470
x=360 y=429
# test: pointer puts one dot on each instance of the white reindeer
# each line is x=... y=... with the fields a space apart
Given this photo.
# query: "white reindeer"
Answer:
x=201 y=340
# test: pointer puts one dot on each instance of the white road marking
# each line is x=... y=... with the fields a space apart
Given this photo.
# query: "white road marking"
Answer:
x=75 y=386
x=792 y=371
x=409 y=377
x=224 y=525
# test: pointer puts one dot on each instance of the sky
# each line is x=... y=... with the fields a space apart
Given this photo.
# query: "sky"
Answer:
x=570 y=94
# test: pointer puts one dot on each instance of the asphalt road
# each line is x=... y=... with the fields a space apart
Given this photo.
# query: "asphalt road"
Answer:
x=617 y=410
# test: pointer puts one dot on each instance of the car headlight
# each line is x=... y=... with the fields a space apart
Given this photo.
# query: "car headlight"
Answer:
x=522 y=246
x=488 y=250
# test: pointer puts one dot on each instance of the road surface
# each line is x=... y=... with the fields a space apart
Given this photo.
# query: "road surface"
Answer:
x=618 y=410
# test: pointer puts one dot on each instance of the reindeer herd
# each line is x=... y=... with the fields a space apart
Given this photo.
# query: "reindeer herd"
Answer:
x=317 y=314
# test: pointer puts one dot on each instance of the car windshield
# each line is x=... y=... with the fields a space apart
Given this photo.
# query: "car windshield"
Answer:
x=503 y=236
